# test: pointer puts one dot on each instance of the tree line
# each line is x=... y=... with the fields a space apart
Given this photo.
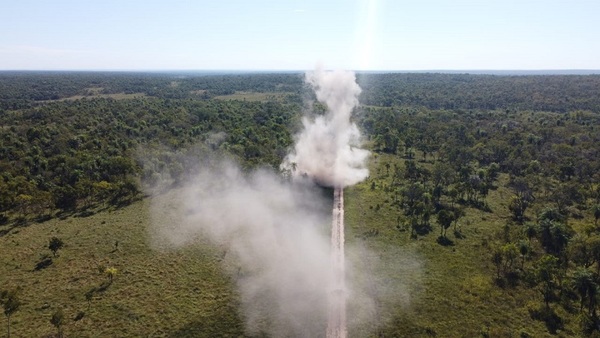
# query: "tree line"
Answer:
x=74 y=155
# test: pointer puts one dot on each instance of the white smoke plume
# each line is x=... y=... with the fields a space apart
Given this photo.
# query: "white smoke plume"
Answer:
x=327 y=149
x=274 y=236
x=275 y=233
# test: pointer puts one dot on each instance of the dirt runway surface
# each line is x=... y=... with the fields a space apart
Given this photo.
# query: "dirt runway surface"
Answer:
x=336 y=324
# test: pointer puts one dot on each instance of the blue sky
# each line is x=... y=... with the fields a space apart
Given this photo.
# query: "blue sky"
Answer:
x=296 y=35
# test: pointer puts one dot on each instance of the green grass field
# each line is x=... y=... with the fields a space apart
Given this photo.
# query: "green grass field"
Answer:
x=98 y=95
x=156 y=293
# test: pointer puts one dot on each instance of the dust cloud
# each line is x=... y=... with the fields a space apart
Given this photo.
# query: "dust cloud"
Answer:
x=274 y=232
x=328 y=147
x=273 y=240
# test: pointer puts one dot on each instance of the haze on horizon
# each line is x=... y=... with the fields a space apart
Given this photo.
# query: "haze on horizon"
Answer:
x=295 y=35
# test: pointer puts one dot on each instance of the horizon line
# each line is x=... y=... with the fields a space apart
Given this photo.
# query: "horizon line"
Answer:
x=550 y=71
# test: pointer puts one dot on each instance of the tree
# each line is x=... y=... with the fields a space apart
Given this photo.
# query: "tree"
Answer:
x=445 y=218
x=554 y=236
x=517 y=207
x=57 y=320
x=11 y=304
x=585 y=286
x=442 y=175
x=492 y=173
x=387 y=168
x=457 y=214
x=530 y=230
x=411 y=196
x=521 y=200
x=524 y=250
x=103 y=190
x=551 y=214
x=24 y=203
x=498 y=259
x=579 y=251
x=408 y=144
x=454 y=194
x=596 y=210
x=388 y=142
x=110 y=273
x=55 y=245
x=546 y=274
x=125 y=190
x=565 y=195
x=510 y=253
x=65 y=197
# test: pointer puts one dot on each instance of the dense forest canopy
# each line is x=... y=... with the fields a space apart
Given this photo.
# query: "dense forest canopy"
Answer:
x=557 y=93
x=65 y=133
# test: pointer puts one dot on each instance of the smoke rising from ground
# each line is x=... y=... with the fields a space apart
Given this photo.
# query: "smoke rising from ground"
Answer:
x=274 y=239
x=327 y=149
x=274 y=234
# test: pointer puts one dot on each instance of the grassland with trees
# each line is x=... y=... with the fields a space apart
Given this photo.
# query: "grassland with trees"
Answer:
x=490 y=182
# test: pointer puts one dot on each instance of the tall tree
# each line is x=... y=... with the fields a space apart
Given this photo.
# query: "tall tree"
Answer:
x=546 y=275
x=445 y=218
x=11 y=304
x=584 y=284
x=596 y=210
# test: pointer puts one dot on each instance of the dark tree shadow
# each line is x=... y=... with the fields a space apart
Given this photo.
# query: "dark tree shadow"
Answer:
x=500 y=282
x=79 y=316
x=85 y=213
x=104 y=286
x=459 y=234
x=512 y=278
x=549 y=317
x=43 y=218
x=19 y=222
x=423 y=229
x=43 y=263
x=479 y=205
x=445 y=241
x=553 y=321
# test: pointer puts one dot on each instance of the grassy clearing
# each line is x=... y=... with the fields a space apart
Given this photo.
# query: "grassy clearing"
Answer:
x=97 y=95
x=253 y=96
x=116 y=96
x=155 y=293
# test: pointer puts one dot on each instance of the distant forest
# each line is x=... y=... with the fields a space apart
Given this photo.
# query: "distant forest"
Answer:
x=556 y=93
x=71 y=140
